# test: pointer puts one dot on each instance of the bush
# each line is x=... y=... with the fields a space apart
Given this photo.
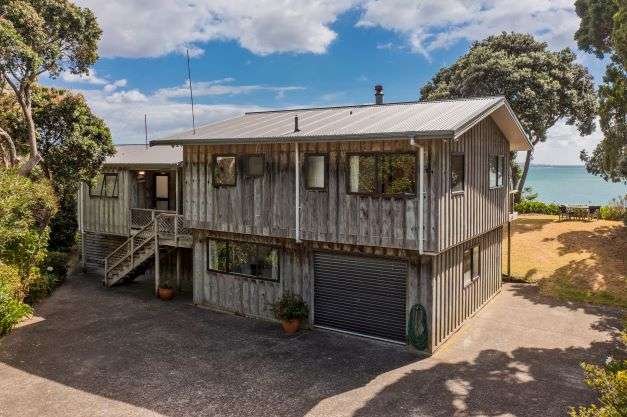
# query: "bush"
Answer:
x=532 y=206
x=56 y=263
x=290 y=307
x=615 y=210
x=610 y=382
x=11 y=312
x=40 y=285
x=10 y=282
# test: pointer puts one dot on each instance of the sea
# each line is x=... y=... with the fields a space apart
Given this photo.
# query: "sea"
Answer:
x=572 y=184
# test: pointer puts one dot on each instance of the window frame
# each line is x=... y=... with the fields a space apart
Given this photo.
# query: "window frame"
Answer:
x=228 y=259
x=500 y=170
x=246 y=166
x=154 y=181
x=463 y=190
x=215 y=165
x=473 y=276
x=378 y=182
x=306 y=169
x=102 y=192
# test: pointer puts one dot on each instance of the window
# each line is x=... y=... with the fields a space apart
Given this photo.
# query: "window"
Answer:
x=471 y=265
x=254 y=165
x=497 y=171
x=106 y=185
x=162 y=192
x=457 y=172
x=315 y=172
x=362 y=174
x=240 y=258
x=391 y=174
x=224 y=171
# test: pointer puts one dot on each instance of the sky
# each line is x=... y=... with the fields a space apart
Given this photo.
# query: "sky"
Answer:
x=267 y=54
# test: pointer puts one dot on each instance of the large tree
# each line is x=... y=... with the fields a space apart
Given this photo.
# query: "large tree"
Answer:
x=37 y=37
x=603 y=31
x=541 y=85
x=73 y=143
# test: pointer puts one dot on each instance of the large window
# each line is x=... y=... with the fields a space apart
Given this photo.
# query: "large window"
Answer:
x=248 y=259
x=458 y=177
x=254 y=165
x=497 y=171
x=388 y=174
x=315 y=172
x=224 y=170
x=106 y=186
x=471 y=265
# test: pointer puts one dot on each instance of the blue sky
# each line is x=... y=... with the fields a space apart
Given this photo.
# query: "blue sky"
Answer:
x=249 y=55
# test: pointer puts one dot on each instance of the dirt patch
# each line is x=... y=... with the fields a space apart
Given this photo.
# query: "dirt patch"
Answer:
x=573 y=259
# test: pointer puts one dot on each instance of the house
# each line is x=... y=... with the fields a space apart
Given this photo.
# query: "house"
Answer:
x=366 y=211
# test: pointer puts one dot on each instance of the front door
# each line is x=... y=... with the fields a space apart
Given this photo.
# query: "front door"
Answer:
x=162 y=192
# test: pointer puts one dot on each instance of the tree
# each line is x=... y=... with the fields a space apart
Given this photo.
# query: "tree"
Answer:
x=541 y=85
x=36 y=37
x=73 y=143
x=603 y=31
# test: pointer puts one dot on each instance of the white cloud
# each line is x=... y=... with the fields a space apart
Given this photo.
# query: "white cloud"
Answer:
x=111 y=87
x=90 y=78
x=222 y=87
x=132 y=96
x=563 y=146
x=433 y=24
x=150 y=28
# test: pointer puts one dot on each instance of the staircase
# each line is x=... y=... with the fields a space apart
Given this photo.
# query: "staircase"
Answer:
x=139 y=251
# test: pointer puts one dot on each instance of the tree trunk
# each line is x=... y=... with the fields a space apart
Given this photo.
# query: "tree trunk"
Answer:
x=8 y=148
x=523 y=176
x=35 y=157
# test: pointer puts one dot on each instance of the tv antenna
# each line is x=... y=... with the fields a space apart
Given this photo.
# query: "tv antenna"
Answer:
x=146 y=128
x=191 y=92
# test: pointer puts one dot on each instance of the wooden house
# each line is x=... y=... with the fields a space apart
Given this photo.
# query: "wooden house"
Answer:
x=365 y=211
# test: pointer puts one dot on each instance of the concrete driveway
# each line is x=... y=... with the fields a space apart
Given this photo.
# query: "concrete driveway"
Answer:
x=98 y=352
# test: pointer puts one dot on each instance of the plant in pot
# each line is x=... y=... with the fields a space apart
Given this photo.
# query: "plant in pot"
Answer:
x=291 y=310
x=166 y=292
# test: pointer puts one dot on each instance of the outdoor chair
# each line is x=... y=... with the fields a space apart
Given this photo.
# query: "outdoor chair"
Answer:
x=594 y=212
x=564 y=213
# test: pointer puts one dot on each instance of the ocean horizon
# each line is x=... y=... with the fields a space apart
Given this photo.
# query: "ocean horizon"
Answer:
x=571 y=184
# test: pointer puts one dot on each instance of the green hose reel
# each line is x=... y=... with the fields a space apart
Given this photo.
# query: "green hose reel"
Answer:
x=417 y=331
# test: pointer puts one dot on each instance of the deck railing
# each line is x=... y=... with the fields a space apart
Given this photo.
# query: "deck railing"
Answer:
x=140 y=217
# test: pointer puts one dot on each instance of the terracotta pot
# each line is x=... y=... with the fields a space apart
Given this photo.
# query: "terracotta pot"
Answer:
x=166 y=294
x=290 y=326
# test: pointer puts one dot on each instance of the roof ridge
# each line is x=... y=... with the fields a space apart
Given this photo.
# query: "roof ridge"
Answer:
x=351 y=106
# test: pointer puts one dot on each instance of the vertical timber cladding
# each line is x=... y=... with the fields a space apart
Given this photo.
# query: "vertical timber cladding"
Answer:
x=452 y=303
x=479 y=208
x=365 y=295
x=108 y=214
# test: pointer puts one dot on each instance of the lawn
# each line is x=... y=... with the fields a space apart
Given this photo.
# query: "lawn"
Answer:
x=571 y=259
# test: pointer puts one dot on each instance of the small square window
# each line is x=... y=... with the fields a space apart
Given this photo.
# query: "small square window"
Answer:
x=106 y=185
x=315 y=172
x=254 y=165
x=224 y=171
x=457 y=172
x=497 y=171
x=471 y=265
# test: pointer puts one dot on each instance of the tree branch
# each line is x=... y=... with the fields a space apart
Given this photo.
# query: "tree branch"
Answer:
x=12 y=154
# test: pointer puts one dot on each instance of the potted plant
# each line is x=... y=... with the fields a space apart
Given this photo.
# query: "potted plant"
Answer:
x=291 y=310
x=166 y=293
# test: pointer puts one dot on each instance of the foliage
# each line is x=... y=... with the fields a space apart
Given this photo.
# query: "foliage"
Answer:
x=290 y=307
x=603 y=30
x=541 y=85
x=40 y=285
x=11 y=312
x=56 y=263
x=531 y=206
x=10 y=282
x=615 y=210
x=529 y=194
x=26 y=207
x=610 y=382
x=42 y=36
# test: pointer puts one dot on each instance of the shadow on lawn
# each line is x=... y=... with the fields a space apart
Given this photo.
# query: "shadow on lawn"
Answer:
x=175 y=359
x=530 y=224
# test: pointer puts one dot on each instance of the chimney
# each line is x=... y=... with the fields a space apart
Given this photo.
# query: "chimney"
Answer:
x=296 y=129
x=378 y=94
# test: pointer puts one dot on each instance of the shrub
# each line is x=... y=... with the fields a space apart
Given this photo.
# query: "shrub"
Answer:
x=290 y=307
x=610 y=382
x=615 y=210
x=10 y=282
x=532 y=206
x=56 y=263
x=40 y=285
x=11 y=312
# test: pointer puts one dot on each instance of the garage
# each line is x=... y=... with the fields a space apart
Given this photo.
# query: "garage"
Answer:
x=358 y=294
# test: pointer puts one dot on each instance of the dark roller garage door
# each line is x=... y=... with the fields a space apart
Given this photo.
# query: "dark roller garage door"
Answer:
x=360 y=294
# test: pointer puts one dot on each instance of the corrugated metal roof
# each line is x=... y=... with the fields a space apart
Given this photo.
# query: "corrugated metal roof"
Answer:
x=139 y=155
x=443 y=119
